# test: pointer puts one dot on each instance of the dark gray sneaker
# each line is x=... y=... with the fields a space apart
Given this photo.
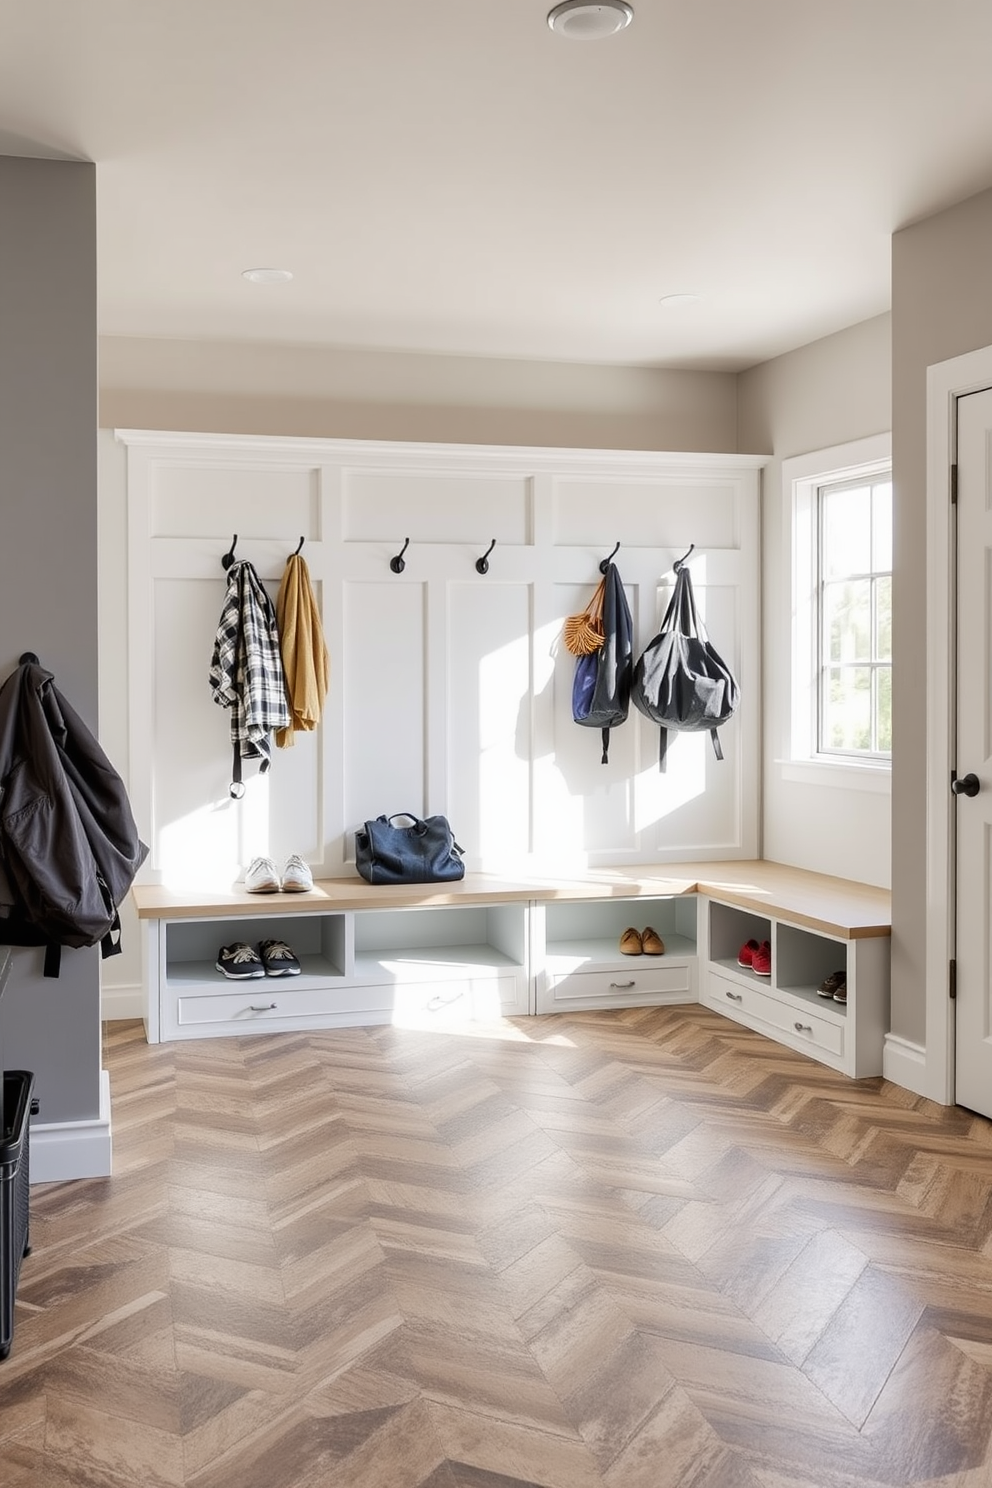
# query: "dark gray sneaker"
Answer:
x=278 y=959
x=829 y=987
x=240 y=962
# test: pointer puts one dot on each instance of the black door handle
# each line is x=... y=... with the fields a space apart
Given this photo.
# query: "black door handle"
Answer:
x=966 y=785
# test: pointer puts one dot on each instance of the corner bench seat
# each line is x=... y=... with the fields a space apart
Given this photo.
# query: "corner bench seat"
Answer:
x=838 y=906
x=493 y=946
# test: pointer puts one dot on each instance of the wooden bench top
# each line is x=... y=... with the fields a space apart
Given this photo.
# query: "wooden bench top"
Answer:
x=837 y=906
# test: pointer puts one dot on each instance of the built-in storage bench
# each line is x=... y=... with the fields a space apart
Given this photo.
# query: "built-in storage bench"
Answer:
x=418 y=955
x=489 y=947
x=577 y=962
x=816 y=926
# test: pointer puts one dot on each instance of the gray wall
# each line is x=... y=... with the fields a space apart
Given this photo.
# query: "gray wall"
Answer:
x=941 y=308
x=830 y=392
x=48 y=553
x=219 y=387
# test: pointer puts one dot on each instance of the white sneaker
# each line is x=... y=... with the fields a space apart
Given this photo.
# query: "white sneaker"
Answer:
x=262 y=877
x=296 y=876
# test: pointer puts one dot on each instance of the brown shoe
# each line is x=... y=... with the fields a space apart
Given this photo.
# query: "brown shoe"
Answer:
x=652 y=943
x=630 y=943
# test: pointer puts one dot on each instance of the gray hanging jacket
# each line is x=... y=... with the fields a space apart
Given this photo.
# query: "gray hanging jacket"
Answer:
x=69 y=847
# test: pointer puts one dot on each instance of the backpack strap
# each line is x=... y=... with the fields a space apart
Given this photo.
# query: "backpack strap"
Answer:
x=662 y=748
x=606 y=747
x=110 y=945
x=717 y=747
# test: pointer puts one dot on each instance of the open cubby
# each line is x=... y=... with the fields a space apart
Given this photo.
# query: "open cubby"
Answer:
x=191 y=946
x=804 y=959
x=589 y=931
x=417 y=944
x=730 y=928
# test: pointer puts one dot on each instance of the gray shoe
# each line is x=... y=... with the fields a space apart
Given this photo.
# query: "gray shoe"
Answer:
x=278 y=958
x=239 y=962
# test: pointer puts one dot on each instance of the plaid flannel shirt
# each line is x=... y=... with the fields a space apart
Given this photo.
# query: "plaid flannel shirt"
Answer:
x=246 y=673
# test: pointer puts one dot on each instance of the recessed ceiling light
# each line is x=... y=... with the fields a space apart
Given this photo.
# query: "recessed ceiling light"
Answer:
x=267 y=276
x=589 y=20
x=679 y=299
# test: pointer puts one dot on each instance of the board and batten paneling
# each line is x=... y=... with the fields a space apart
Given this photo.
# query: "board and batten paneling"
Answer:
x=450 y=691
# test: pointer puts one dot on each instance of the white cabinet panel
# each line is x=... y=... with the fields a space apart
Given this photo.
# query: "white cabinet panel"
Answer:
x=468 y=507
x=195 y=834
x=383 y=676
x=488 y=713
x=448 y=689
x=262 y=501
x=646 y=514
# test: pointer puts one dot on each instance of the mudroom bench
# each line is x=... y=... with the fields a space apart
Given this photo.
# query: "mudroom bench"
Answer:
x=490 y=947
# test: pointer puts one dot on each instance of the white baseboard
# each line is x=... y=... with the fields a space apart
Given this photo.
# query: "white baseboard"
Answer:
x=905 y=1064
x=73 y=1149
x=122 y=1002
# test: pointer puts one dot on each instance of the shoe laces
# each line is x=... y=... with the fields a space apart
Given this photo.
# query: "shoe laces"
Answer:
x=295 y=862
x=278 y=950
x=242 y=953
x=257 y=864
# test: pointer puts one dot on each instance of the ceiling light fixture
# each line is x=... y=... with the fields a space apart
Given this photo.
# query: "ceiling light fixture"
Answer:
x=589 y=20
x=267 y=276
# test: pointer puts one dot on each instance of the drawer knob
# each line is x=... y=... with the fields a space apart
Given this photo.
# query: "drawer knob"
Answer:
x=622 y=986
x=735 y=996
x=268 y=1008
x=804 y=1027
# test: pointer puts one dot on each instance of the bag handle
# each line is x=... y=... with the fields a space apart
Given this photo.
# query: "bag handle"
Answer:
x=594 y=609
x=681 y=614
x=419 y=825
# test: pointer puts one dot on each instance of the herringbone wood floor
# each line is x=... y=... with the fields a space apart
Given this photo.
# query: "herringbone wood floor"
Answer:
x=644 y=1249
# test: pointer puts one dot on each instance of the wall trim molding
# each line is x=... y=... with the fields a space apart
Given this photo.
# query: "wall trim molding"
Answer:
x=122 y=1003
x=247 y=448
x=905 y=1064
x=348 y=499
x=64 y=1150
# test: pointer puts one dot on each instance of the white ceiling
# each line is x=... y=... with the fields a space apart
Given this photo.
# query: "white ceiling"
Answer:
x=453 y=177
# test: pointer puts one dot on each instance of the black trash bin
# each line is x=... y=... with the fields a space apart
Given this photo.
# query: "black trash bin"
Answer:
x=18 y=1086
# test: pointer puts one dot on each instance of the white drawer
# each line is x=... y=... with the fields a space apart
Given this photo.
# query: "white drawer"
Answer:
x=454 y=1000
x=275 y=999
x=418 y=1004
x=653 y=979
x=793 y=1018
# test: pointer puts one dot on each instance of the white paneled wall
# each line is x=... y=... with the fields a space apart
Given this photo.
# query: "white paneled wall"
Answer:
x=449 y=691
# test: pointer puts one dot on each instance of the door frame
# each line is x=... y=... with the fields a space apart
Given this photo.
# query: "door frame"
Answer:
x=946 y=383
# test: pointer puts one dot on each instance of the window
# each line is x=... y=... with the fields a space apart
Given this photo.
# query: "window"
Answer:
x=838 y=512
x=854 y=618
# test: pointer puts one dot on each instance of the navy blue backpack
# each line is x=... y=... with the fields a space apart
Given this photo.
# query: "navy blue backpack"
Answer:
x=601 y=685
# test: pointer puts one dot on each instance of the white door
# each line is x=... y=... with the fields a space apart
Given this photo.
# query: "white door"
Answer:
x=973 y=754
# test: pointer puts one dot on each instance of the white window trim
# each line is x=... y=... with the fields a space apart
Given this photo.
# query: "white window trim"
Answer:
x=801 y=477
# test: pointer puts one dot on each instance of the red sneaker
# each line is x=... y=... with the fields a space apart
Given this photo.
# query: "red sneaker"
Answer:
x=746 y=952
x=761 y=959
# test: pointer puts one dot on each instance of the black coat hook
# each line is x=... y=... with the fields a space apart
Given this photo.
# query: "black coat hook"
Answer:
x=299 y=548
x=677 y=565
x=397 y=564
x=29 y=658
x=228 y=557
x=482 y=564
x=607 y=561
